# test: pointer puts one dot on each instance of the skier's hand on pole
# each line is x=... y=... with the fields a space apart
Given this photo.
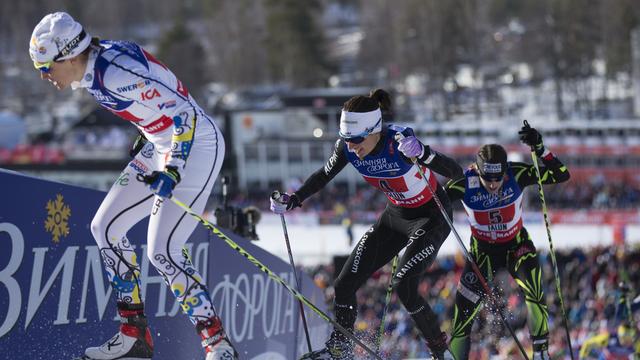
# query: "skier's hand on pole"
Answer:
x=283 y=202
x=162 y=183
x=531 y=137
x=409 y=145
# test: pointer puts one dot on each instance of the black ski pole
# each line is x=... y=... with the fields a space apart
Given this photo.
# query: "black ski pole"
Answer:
x=474 y=266
x=276 y=196
x=556 y=273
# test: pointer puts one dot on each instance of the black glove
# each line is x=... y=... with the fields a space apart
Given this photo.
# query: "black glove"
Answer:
x=530 y=136
x=162 y=183
x=283 y=202
x=140 y=142
x=294 y=202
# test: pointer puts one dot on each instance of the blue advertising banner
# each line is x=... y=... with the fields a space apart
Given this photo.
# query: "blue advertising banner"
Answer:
x=55 y=300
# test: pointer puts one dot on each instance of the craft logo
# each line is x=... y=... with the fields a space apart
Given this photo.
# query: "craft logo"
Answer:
x=57 y=218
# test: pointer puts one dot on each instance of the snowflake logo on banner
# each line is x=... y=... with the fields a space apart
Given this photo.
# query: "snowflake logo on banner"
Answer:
x=57 y=218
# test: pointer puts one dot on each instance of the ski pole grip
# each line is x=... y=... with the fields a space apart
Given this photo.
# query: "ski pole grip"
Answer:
x=143 y=178
x=399 y=136
x=527 y=126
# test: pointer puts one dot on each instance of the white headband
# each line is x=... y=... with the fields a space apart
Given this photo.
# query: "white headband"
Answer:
x=360 y=123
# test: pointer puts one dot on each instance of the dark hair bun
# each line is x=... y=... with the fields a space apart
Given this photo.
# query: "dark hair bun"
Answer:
x=383 y=98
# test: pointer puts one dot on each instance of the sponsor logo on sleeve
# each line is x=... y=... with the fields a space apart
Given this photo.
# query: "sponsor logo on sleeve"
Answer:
x=150 y=94
x=148 y=150
x=167 y=105
x=138 y=85
x=138 y=166
x=105 y=100
x=474 y=182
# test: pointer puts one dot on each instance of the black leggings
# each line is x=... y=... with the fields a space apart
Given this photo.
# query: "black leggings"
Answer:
x=422 y=231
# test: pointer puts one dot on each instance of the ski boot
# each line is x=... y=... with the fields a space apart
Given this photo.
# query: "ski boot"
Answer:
x=215 y=341
x=541 y=355
x=439 y=349
x=132 y=342
x=445 y=355
x=338 y=347
x=540 y=348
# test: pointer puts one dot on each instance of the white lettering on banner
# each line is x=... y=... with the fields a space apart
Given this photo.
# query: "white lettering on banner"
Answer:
x=6 y=279
x=64 y=269
x=289 y=311
x=199 y=258
x=94 y=267
x=261 y=298
x=253 y=305
x=37 y=294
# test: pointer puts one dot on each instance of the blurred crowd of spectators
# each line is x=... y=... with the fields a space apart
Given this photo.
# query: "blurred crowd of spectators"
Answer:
x=334 y=203
x=595 y=193
x=589 y=282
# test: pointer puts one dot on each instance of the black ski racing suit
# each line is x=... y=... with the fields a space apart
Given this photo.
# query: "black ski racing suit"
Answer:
x=420 y=228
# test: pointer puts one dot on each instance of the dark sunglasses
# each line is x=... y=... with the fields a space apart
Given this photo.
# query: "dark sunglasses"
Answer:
x=492 y=178
x=355 y=139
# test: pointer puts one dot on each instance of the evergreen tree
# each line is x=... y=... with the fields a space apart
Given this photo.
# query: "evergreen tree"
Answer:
x=184 y=55
x=295 y=45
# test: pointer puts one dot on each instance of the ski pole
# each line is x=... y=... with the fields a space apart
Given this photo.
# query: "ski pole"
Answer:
x=474 y=266
x=272 y=275
x=276 y=196
x=387 y=299
x=545 y=215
